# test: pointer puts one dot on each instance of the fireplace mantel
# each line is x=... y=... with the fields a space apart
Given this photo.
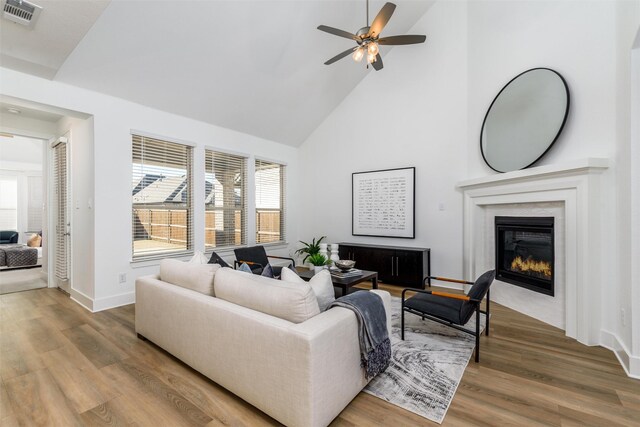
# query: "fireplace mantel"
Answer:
x=580 y=166
x=577 y=186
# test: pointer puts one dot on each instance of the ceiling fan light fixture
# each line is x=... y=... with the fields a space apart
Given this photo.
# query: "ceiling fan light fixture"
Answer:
x=371 y=58
x=368 y=38
x=373 y=49
x=358 y=54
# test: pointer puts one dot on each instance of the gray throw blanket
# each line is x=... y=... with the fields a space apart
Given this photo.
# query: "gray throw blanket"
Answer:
x=375 y=346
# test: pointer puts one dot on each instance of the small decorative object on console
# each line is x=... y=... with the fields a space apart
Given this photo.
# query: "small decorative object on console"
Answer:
x=345 y=264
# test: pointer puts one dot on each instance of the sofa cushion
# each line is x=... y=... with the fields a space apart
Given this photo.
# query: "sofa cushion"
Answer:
x=294 y=302
x=197 y=277
x=320 y=283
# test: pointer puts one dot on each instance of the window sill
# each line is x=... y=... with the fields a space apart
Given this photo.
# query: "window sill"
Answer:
x=155 y=260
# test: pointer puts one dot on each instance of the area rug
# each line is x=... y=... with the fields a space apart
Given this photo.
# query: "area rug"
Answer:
x=426 y=367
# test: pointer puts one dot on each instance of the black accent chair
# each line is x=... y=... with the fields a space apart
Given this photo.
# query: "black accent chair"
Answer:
x=449 y=309
x=256 y=258
x=8 y=236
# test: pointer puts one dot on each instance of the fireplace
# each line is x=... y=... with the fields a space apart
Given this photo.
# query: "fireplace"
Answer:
x=524 y=252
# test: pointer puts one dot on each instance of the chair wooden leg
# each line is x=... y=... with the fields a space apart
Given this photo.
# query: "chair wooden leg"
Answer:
x=478 y=334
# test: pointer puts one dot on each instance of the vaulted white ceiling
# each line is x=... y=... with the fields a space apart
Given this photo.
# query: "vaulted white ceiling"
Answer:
x=253 y=66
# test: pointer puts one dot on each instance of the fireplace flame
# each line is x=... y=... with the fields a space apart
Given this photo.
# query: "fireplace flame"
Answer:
x=531 y=265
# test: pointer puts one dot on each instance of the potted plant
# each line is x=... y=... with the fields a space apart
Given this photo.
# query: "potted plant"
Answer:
x=310 y=248
x=319 y=261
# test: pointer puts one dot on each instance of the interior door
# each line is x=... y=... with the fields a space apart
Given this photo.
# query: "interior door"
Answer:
x=61 y=220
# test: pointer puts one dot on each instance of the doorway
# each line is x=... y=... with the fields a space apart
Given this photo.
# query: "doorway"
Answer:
x=22 y=161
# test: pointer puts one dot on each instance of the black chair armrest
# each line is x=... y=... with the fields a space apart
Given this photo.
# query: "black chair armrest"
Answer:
x=283 y=257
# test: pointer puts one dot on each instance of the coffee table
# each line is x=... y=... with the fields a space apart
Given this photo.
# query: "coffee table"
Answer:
x=345 y=283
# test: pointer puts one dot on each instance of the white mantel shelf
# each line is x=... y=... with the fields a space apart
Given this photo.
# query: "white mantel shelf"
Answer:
x=575 y=166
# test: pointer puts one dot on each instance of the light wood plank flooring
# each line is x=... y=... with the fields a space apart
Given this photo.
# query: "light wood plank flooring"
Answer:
x=61 y=365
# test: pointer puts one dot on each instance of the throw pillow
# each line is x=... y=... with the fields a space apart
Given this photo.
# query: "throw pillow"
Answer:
x=215 y=259
x=198 y=258
x=268 y=271
x=245 y=268
x=34 y=241
x=320 y=283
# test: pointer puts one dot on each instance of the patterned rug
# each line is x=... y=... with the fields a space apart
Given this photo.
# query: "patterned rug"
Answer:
x=426 y=367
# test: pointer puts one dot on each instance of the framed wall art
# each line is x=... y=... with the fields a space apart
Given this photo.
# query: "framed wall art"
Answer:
x=383 y=203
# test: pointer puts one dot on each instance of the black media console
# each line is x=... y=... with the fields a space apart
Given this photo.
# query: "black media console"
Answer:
x=396 y=265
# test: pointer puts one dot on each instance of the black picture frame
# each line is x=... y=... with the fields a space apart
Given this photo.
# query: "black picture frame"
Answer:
x=392 y=219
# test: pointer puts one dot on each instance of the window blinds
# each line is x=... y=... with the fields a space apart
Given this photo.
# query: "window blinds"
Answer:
x=161 y=198
x=270 y=202
x=8 y=203
x=34 y=204
x=225 y=200
x=61 y=223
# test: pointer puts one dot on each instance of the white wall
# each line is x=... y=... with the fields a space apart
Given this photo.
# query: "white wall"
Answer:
x=80 y=158
x=577 y=39
x=110 y=160
x=412 y=113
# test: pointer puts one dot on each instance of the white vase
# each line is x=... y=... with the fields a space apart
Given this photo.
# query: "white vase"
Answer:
x=317 y=268
x=334 y=253
x=323 y=250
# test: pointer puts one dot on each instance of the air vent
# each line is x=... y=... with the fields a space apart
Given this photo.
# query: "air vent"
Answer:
x=21 y=12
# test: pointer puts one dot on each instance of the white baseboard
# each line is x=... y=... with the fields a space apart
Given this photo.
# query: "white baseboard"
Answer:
x=630 y=363
x=100 y=304
x=82 y=299
x=113 y=301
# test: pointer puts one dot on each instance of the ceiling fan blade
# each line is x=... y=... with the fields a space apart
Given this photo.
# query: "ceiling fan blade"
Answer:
x=340 y=56
x=381 y=19
x=337 y=32
x=377 y=64
x=400 y=40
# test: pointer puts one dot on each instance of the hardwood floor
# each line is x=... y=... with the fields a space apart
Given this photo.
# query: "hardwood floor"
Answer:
x=61 y=365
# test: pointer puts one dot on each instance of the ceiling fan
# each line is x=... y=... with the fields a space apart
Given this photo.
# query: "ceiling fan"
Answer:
x=368 y=39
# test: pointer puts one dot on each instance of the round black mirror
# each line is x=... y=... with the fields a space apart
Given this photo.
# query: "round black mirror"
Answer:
x=524 y=120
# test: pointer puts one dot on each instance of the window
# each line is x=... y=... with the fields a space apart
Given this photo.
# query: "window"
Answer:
x=8 y=203
x=270 y=185
x=34 y=204
x=162 y=201
x=225 y=215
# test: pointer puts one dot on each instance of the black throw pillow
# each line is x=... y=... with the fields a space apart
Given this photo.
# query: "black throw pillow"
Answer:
x=215 y=259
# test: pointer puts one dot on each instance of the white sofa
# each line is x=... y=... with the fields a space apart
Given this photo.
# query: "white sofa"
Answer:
x=301 y=374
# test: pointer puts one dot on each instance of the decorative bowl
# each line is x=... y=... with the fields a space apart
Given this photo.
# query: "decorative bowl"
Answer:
x=344 y=264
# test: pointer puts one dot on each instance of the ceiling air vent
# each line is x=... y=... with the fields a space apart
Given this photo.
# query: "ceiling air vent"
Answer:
x=21 y=12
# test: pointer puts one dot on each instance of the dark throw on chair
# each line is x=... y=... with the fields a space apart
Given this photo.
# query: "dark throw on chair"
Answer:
x=256 y=258
x=449 y=309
